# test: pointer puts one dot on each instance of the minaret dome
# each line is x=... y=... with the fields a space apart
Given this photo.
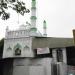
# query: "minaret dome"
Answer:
x=44 y=29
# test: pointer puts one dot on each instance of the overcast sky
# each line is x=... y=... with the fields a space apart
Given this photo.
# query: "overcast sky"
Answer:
x=59 y=15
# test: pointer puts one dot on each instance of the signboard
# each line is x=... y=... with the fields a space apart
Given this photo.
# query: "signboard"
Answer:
x=43 y=50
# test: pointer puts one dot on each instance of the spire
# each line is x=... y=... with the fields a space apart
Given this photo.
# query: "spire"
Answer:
x=33 y=14
x=7 y=29
x=44 y=29
x=44 y=24
x=33 y=18
x=6 y=34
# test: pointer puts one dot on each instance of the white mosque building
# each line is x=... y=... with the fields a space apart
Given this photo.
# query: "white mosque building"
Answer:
x=33 y=53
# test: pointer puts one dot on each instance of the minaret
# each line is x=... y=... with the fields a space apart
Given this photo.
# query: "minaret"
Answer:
x=7 y=29
x=44 y=29
x=33 y=15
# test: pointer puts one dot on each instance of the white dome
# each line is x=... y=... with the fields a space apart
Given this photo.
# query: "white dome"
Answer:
x=22 y=27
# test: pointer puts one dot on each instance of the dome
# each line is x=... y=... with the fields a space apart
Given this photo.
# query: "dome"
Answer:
x=22 y=27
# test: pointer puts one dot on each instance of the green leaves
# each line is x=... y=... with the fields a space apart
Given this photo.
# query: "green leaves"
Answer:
x=5 y=16
x=18 y=6
x=3 y=6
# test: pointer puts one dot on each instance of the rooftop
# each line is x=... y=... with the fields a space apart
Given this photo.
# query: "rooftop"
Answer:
x=51 y=42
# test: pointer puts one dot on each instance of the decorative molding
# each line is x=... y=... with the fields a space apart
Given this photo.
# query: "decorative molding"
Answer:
x=33 y=17
x=9 y=48
x=17 y=46
x=26 y=47
x=33 y=7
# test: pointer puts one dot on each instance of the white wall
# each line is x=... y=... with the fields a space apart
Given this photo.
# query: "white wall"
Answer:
x=64 y=55
x=40 y=66
x=54 y=53
x=23 y=42
x=36 y=70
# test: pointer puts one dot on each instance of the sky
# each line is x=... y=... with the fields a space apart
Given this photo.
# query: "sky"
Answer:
x=59 y=15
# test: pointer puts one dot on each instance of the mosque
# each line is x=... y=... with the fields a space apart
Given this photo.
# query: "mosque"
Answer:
x=32 y=53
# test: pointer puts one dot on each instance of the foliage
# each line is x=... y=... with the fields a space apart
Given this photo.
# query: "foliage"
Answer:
x=18 y=6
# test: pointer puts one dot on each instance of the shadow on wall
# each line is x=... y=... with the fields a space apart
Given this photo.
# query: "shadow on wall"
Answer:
x=70 y=55
x=6 y=66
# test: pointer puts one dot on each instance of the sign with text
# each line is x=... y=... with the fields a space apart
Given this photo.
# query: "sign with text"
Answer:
x=43 y=50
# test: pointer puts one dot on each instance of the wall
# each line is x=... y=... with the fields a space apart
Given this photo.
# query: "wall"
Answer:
x=18 y=33
x=27 y=41
x=64 y=56
x=26 y=66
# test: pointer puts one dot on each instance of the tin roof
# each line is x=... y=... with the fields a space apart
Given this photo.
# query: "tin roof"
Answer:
x=51 y=42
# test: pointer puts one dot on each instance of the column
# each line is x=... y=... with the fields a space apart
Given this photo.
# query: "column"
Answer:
x=64 y=55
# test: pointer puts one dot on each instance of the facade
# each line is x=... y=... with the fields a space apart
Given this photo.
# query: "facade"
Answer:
x=33 y=53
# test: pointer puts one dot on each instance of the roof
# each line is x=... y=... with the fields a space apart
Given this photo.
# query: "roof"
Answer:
x=51 y=42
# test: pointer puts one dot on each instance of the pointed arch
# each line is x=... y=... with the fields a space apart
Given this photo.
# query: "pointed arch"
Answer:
x=17 y=49
x=26 y=48
x=17 y=46
x=9 y=48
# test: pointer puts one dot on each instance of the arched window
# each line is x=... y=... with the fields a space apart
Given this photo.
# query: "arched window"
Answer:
x=26 y=48
x=9 y=48
x=17 y=49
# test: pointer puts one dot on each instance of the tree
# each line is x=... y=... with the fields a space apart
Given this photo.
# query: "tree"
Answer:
x=18 y=6
x=1 y=47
